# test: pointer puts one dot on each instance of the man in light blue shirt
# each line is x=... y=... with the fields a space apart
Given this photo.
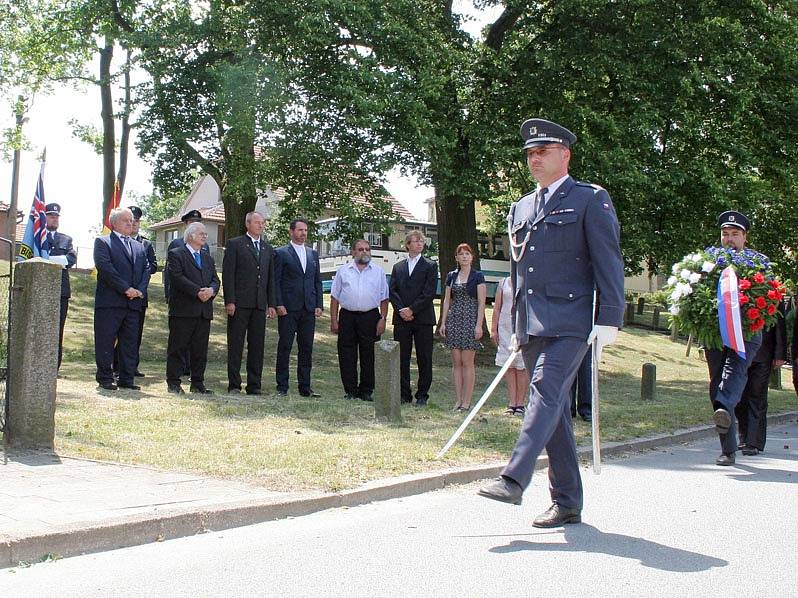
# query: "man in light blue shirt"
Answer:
x=360 y=289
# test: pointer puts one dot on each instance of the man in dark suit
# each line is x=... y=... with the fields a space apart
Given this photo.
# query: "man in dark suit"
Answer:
x=194 y=285
x=122 y=279
x=298 y=294
x=413 y=284
x=752 y=410
x=59 y=247
x=248 y=278
x=565 y=243
x=152 y=264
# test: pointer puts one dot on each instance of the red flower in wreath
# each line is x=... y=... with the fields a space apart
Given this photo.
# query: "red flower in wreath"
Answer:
x=771 y=309
x=760 y=302
x=759 y=278
x=743 y=298
x=773 y=294
x=758 y=325
x=774 y=283
x=752 y=313
x=744 y=284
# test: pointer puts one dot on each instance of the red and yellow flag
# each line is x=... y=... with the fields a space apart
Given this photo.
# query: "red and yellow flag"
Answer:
x=116 y=199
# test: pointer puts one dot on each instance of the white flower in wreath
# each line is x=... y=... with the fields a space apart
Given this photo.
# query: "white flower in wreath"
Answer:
x=676 y=267
x=697 y=257
x=708 y=266
x=694 y=277
x=685 y=274
x=685 y=288
x=676 y=294
x=674 y=310
x=672 y=281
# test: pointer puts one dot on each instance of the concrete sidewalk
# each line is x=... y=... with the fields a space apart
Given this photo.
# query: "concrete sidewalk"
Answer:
x=51 y=505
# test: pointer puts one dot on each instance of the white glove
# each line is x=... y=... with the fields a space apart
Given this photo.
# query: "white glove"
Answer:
x=513 y=343
x=605 y=335
x=59 y=259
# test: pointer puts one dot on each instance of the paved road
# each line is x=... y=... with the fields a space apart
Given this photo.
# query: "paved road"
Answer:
x=666 y=523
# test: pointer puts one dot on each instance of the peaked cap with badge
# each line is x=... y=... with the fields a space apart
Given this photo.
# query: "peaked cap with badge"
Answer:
x=192 y=215
x=735 y=219
x=538 y=131
x=52 y=208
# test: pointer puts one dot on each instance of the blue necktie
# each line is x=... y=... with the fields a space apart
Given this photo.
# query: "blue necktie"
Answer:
x=198 y=259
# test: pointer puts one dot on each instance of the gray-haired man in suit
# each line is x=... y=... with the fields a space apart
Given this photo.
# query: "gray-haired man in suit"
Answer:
x=565 y=243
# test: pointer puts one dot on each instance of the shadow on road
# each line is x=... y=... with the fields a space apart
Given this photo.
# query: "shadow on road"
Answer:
x=586 y=538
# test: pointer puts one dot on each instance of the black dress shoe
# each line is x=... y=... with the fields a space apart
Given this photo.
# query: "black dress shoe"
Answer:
x=503 y=490
x=201 y=390
x=722 y=420
x=750 y=451
x=175 y=390
x=138 y=374
x=349 y=397
x=725 y=459
x=129 y=386
x=407 y=401
x=421 y=402
x=234 y=391
x=586 y=416
x=106 y=386
x=555 y=516
x=309 y=393
x=367 y=397
x=282 y=392
x=254 y=392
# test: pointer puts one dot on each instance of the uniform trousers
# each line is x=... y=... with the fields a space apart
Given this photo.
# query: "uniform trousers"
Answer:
x=357 y=333
x=752 y=410
x=187 y=334
x=407 y=333
x=302 y=325
x=728 y=375
x=582 y=389
x=115 y=325
x=249 y=322
x=553 y=363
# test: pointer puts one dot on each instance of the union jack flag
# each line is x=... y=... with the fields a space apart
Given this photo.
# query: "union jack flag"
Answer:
x=36 y=230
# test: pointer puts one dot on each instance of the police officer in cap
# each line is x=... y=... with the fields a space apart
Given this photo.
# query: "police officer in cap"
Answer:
x=565 y=246
x=188 y=218
x=738 y=387
x=59 y=247
x=152 y=262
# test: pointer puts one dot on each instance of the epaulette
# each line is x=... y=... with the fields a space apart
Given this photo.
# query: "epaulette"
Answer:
x=596 y=188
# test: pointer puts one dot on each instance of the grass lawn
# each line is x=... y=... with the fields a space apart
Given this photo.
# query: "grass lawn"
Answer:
x=291 y=443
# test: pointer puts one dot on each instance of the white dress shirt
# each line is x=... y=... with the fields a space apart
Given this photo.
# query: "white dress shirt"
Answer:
x=359 y=290
x=411 y=263
x=302 y=252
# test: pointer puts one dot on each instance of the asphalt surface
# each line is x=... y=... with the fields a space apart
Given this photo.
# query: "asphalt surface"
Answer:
x=666 y=522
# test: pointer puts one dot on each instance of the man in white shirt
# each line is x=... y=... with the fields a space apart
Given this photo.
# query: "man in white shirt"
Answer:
x=360 y=289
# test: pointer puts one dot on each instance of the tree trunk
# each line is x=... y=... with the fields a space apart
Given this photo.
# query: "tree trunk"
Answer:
x=124 y=141
x=107 y=113
x=234 y=215
x=456 y=224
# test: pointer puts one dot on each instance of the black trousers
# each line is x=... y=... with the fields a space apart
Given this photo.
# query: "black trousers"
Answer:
x=62 y=321
x=582 y=388
x=406 y=334
x=300 y=324
x=752 y=410
x=138 y=343
x=357 y=333
x=249 y=323
x=115 y=326
x=187 y=334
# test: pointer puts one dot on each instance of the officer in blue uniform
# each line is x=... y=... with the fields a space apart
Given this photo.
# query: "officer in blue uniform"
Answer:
x=59 y=246
x=565 y=245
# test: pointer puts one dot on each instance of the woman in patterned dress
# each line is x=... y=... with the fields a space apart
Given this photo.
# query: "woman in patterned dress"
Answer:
x=461 y=322
x=501 y=329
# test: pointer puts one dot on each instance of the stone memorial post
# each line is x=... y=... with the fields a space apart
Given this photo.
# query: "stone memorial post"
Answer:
x=648 y=382
x=33 y=354
x=387 y=391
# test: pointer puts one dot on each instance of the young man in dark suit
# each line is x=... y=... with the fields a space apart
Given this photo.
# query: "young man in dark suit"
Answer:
x=194 y=285
x=59 y=247
x=298 y=294
x=412 y=288
x=248 y=279
x=122 y=279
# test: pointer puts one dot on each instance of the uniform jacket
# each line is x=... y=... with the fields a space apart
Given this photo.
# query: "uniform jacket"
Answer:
x=117 y=272
x=416 y=291
x=62 y=245
x=187 y=280
x=295 y=289
x=572 y=247
x=248 y=279
x=152 y=260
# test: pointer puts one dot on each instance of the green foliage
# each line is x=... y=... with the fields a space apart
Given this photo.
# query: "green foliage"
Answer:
x=88 y=134
x=156 y=207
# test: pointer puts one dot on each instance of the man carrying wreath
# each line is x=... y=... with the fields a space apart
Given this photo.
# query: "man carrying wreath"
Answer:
x=728 y=371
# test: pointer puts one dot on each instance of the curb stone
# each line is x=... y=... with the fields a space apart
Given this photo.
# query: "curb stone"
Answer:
x=77 y=539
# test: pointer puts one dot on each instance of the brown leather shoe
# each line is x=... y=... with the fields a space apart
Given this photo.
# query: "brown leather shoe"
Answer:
x=555 y=516
x=722 y=419
x=503 y=490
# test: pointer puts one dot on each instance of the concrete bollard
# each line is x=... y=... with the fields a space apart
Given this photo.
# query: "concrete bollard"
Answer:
x=33 y=354
x=641 y=305
x=648 y=382
x=655 y=318
x=387 y=391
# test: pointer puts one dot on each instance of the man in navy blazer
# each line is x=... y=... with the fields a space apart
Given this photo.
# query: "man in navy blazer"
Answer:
x=122 y=277
x=565 y=241
x=59 y=246
x=194 y=286
x=298 y=295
